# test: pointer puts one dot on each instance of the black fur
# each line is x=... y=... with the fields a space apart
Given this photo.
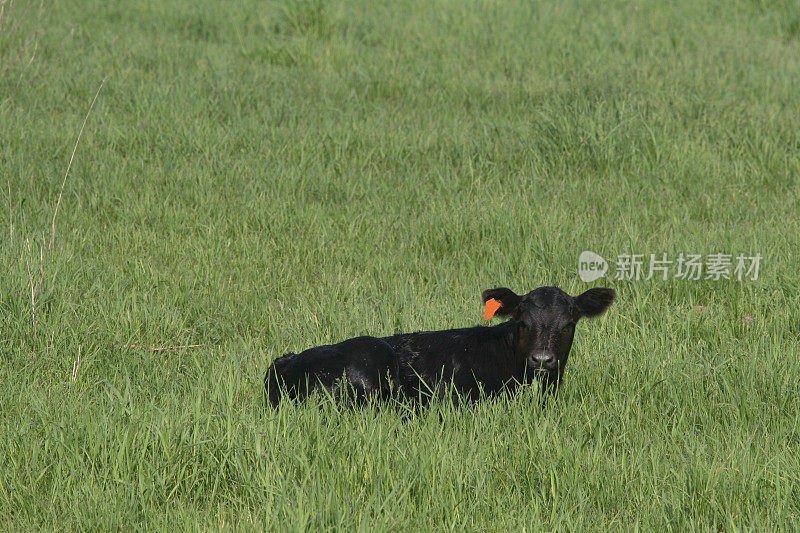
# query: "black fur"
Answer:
x=361 y=364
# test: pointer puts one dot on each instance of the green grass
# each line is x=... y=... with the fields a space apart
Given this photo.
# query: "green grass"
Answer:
x=257 y=178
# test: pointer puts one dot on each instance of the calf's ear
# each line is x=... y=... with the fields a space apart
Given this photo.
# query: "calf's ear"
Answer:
x=594 y=302
x=509 y=300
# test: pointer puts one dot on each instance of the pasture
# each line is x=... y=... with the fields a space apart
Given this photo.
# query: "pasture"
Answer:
x=255 y=178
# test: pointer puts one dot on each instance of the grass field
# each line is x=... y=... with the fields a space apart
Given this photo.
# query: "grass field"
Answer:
x=255 y=178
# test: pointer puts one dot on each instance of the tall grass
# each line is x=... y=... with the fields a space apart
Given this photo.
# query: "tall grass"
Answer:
x=258 y=178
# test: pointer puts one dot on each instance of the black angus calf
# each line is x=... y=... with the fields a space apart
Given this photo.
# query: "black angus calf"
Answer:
x=534 y=344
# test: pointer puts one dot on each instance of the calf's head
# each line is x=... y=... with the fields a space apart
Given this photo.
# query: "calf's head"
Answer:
x=543 y=323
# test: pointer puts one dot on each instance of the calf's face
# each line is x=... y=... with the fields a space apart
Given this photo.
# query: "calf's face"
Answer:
x=544 y=323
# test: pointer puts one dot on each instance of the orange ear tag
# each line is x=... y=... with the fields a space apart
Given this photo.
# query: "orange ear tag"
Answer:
x=492 y=306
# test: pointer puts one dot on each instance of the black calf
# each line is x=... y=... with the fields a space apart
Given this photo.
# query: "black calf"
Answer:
x=534 y=344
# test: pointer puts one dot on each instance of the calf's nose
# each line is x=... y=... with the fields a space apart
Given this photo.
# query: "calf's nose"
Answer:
x=542 y=359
